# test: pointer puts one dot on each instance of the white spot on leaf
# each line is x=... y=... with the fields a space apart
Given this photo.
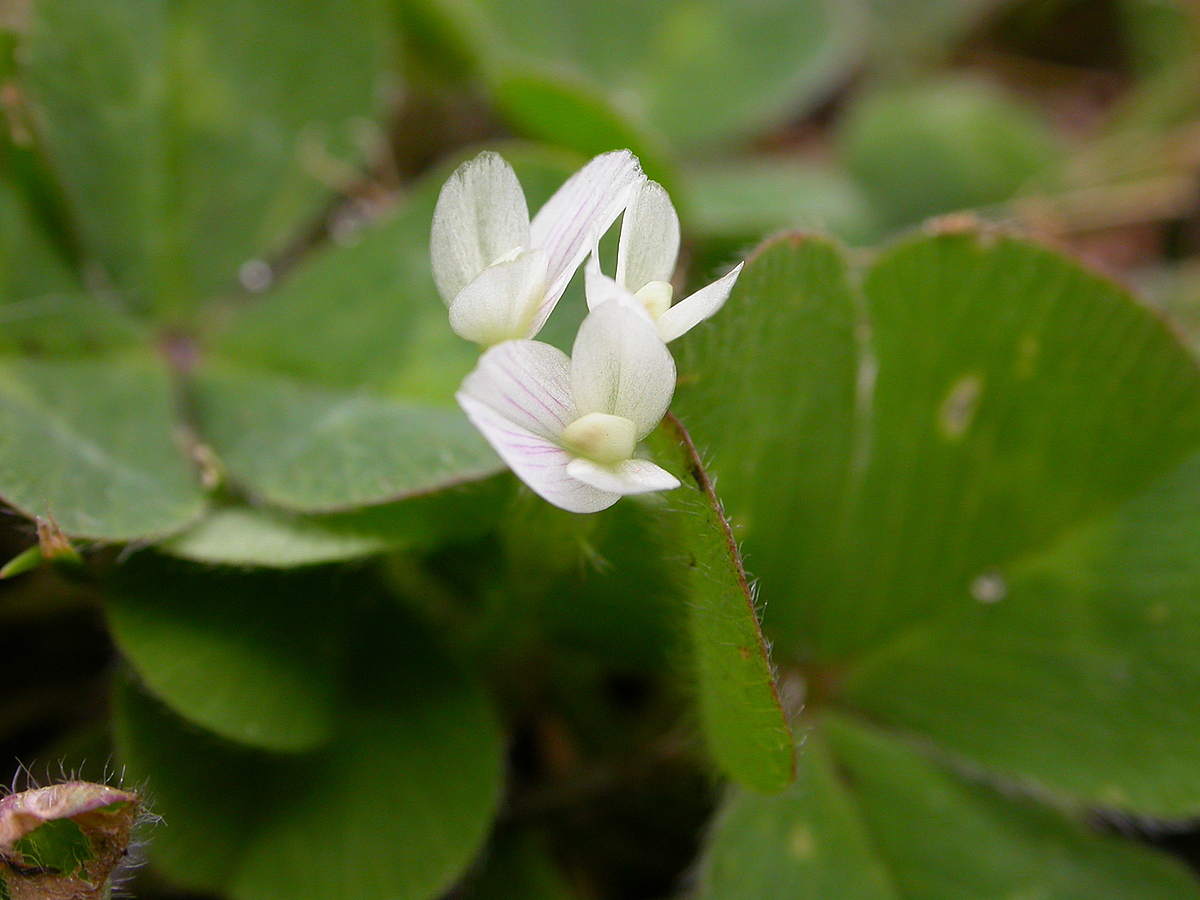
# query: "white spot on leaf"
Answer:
x=989 y=587
x=958 y=409
x=255 y=275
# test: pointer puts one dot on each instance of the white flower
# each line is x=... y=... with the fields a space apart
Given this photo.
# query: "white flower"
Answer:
x=646 y=257
x=500 y=274
x=569 y=426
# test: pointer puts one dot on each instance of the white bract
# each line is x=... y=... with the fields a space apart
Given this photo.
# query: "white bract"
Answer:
x=569 y=426
x=501 y=274
x=646 y=257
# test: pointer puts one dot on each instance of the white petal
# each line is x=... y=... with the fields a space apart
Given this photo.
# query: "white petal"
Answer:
x=499 y=305
x=632 y=476
x=620 y=366
x=649 y=245
x=696 y=308
x=540 y=463
x=578 y=214
x=599 y=288
x=527 y=383
x=519 y=397
x=480 y=216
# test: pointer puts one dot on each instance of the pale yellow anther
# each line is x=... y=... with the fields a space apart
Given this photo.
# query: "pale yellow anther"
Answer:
x=601 y=438
x=656 y=297
x=508 y=256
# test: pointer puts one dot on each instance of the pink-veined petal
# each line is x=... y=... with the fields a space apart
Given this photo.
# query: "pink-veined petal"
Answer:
x=538 y=462
x=573 y=220
x=481 y=215
x=631 y=476
x=500 y=303
x=620 y=366
x=527 y=383
x=693 y=310
x=649 y=244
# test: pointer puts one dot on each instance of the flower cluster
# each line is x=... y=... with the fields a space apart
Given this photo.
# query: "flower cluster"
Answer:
x=568 y=426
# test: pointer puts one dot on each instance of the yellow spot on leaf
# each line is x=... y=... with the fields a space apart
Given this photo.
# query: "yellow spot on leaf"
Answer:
x=801 y=844
x=1027 y=354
